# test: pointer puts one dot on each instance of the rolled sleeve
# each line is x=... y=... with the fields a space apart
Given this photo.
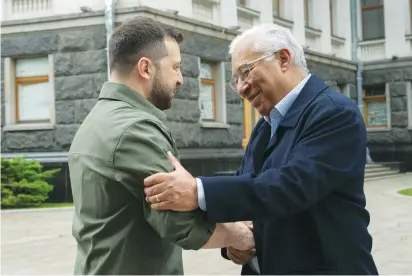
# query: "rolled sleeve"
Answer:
x=142 y=151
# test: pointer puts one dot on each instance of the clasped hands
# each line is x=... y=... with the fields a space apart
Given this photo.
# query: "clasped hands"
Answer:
x=241 y=257
x=177 y=191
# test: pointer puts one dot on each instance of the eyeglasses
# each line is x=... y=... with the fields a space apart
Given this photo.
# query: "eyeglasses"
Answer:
x=244 y=71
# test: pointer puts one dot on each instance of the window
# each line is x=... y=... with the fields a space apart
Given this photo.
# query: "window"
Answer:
x=410 y=16
x=212 y=95
x=409 y=99
x=306 y=12
x=373 y=19
x=332 y=17
x=207 y=94
x=352 y=93
x=341 y=88
x=29 y=91
x=375 y=109
x=276 y=7
x=349 y=91
x=250 y=117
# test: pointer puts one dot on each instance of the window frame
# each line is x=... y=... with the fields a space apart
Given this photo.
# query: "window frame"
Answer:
x=377 y=98
x=210 y=82
x=410 y=16
x=278 y=5
x=409 y=102
x=306 y=12
x=368 y=8
x=249 y=121
x=332 y=17
x=219 y=94
x=11 y=95
x=27 y=80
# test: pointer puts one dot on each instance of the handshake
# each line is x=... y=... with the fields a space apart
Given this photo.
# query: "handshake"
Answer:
x=242 y=244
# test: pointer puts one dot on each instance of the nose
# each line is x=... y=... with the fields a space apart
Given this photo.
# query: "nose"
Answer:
x=242 y=88
x=180 y=79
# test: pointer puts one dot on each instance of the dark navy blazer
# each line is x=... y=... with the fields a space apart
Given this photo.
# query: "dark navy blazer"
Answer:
x=303 y=189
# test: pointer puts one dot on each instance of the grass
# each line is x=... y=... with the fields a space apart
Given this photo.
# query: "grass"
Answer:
x=406 y=192
x=43 y=205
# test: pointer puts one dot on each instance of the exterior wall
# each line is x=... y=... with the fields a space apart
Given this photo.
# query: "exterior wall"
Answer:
x=395 y=142
x=184 y=115
x=79 y=70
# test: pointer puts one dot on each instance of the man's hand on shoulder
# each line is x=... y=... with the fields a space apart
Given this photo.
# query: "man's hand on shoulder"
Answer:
x=175 y=191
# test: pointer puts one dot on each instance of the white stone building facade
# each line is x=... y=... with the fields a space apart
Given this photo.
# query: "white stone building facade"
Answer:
x=56 y=50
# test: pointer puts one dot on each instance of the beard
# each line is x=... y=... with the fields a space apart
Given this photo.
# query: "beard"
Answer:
x=161 y=94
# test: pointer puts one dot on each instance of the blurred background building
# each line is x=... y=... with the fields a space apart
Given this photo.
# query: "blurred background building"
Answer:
x=54 y=62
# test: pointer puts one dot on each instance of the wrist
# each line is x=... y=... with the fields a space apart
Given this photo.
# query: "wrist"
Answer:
x=195 y=193
x=230 y=234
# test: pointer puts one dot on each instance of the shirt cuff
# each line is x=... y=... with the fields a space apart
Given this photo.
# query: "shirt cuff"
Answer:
x=200 y=195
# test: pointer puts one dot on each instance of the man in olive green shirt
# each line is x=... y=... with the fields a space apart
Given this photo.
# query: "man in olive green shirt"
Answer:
x=123 y=140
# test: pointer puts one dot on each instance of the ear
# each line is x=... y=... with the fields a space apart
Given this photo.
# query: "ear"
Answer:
x=143 y=68
x=285 y=58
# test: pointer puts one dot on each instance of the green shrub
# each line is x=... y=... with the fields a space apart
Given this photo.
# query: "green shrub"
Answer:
x=23 y=182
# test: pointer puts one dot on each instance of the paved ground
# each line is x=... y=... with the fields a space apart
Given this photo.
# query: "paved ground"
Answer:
x=40 y=242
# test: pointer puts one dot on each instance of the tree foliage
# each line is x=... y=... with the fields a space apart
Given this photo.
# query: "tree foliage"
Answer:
x=23 y=182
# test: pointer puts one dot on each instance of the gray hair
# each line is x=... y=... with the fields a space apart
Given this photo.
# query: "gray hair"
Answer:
x=269 y=38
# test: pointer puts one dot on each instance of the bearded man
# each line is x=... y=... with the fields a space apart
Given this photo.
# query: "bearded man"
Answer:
x=123 y=140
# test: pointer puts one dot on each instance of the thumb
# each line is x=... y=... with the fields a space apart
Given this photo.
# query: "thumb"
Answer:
x=174 y=161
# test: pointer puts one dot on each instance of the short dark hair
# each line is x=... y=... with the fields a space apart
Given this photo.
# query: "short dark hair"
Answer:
x=137 y=38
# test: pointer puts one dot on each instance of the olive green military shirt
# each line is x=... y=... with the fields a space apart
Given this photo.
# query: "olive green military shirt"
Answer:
x=123 y=140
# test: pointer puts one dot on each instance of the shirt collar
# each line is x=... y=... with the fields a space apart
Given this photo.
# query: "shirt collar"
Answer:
x=121 y=92
x=283 y=105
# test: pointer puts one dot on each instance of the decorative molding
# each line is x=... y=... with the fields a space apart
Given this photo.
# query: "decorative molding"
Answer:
x=97 y=18
x=329 y=60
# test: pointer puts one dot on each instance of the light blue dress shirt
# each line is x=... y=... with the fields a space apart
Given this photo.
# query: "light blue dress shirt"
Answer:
x=275 y=117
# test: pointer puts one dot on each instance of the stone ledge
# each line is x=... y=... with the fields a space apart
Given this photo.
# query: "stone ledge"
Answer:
x=388 y=63
x=28 y=127
x=383 y=129
x=330 y=60
x=213 y=153
x=214 y=125
x=184 y=153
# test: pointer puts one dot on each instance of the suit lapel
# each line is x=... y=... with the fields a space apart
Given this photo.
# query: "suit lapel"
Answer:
x=259 y=145
x=311 y=89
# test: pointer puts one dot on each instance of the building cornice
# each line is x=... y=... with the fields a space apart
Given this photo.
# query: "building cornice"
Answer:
x=388 y=64
x=122 y=14
x=96 y=18
x=330 y=60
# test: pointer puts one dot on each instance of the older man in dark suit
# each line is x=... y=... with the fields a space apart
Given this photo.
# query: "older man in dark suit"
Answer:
x=301 y=180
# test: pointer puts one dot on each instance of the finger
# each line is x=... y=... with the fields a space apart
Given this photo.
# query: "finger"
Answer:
x=174 y=161
x=155 y=179
x=249 y=224
x=238 y=260
x=155 y=190
x=233 y=257
x=163 y=205
x=240 y=253
x=160 y=197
